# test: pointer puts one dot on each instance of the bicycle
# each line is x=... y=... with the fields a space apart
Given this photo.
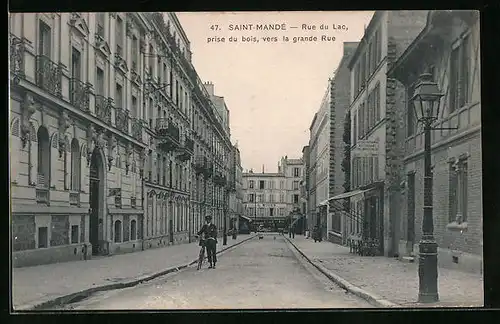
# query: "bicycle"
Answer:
x=201 y=255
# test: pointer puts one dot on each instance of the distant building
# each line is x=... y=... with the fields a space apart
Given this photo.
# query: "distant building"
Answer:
x=274 y=198
x=327 y=151
x=235 y=188
x=456 y=154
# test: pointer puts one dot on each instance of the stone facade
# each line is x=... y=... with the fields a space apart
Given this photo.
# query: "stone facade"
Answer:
x=456 y=153
x=373 y=119
x=339 y=105
x=92 y=127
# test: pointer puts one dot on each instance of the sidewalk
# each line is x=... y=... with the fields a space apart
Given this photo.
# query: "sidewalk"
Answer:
x=390 y=279
x=32 y=286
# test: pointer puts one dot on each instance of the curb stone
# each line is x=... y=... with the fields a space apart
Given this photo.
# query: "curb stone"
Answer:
x=344 y=284
x=66 y=299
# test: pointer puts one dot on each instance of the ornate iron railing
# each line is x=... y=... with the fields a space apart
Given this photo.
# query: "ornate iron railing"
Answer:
x=17 y=48
x=137 y=128
x=48 y=75
x=121 y=119
x=103 y=108
x=79 y=94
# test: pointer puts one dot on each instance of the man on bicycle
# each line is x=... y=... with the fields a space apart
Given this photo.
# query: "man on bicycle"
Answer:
x=209 y=232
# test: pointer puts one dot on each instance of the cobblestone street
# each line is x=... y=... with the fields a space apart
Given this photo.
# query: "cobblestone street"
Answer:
x=257 y=274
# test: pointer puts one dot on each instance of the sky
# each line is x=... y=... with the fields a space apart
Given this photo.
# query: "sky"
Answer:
x=272 y=89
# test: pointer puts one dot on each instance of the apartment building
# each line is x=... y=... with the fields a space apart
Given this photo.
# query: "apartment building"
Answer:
x=374 y=162
x=104 y=127
x=454 y=65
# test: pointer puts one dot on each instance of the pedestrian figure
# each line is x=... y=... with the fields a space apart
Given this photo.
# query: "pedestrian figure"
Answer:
x=209 y=232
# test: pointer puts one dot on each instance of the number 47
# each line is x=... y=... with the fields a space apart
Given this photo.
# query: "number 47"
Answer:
x=214 y=27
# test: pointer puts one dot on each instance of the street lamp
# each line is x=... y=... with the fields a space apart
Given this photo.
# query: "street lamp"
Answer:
x=426 y=101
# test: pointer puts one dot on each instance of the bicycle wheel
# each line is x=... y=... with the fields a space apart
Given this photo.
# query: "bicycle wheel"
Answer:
x=201 y=257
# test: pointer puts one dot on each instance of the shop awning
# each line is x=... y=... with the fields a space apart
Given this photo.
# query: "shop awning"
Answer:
x=247 y=218
x=344 y=195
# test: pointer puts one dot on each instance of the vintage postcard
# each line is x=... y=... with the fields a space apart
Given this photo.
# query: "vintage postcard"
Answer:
x=245 y=160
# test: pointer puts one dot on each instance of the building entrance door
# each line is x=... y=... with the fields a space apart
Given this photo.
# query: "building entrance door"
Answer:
x=95 y=221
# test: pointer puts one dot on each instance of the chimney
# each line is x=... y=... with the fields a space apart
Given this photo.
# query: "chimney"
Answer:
x=210 y=87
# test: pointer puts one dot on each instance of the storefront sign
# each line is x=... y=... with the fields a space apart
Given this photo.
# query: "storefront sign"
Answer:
x=366 y=148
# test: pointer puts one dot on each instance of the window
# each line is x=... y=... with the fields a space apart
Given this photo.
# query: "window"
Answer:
x=76 y=64
x=262 y=212
x=118 y=231
x=377 y=102
x=295 y=185
x=251 y=198
x=296 y=172
x=45 y=42
x=119 y=37
x=99 y=84
x=74 y=234
x=282 y=198
x=261 y=184
x=282 y=212
x=171 y=91
x=271 y=197
x=458 y=191
x=282 y=184
x=100 y=18
x=75 y=165
x=133 y=110
x=42 y=237
x=43 y=157
x=133 y=230
x=295 y=199
x=135 y=53
x=355 y=129
x=459 y=75
x=151 y=60
x=271 y=212
x=119 y=96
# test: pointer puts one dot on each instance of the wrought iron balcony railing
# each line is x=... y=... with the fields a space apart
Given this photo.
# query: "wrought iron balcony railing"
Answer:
x=48 y=75
x=137 y=128
x=103 y=108
x=121 y=119
x=209 y=166
x=168 y=134
x=186 y=151
x=79 y=94
x=200 y=164
x=17 y=48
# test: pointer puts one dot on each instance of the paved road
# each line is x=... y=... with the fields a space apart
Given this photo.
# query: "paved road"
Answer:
x=257 y=274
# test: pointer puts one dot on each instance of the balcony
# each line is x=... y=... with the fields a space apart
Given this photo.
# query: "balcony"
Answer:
x=17 y=49
x=209 y=169
x=79 y=94
x=103 y=107
x=186 y=151
x=168 y=134
x=48 y=75
x=121 y=119
x=200 y=164
x=137 y=128
x=220 y=179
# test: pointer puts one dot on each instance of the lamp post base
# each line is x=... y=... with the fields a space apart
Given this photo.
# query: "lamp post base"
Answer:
x=428 y=272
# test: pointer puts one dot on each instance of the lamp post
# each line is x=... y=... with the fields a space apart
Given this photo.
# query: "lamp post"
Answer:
x=426 y=101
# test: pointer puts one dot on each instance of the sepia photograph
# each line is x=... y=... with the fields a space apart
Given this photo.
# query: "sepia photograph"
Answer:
x=245 y=160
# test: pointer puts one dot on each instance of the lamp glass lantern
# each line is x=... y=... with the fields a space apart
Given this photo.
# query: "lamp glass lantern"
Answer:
x=427 y=99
